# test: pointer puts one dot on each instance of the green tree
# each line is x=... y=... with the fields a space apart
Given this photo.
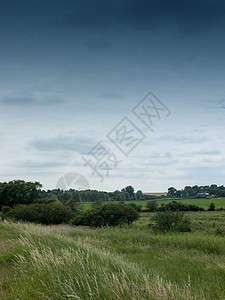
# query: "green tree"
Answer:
x=171 y=192
x=139 y=195
x=213 y=189
x=130 y=190
x=19 y=192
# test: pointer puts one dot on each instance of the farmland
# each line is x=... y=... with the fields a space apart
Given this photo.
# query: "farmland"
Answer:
x=202 y=202
x=130 y=262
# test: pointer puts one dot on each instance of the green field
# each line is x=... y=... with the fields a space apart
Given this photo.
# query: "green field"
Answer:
x=64 y=262
x=202 y=202
x=156 y=194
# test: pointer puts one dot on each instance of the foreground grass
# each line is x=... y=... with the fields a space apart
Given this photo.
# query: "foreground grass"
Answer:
x=64 y=262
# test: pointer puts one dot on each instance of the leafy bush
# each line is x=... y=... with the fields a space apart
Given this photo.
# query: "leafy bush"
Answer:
x=178 y=206
x=52 y=213
x=82 y=218
x=152 y=205
x=212 y=207
x=171 y=221
x=107 y=215
x=97 y=203
x=135 y=206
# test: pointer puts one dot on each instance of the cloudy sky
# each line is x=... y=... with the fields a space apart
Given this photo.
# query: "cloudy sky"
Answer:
x=73 y=73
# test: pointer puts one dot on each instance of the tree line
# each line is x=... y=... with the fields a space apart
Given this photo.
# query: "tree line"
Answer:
x=197 y=191
x=126 y=194
x=25 y=201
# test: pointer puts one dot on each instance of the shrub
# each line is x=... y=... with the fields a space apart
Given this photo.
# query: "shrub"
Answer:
x=212 y=207
x=82 y=218
x=96 y=203
x=178 y=206
x=171 y=221
x=135 y=206
x=107 y=215
x=52 y=213
x=152 y=205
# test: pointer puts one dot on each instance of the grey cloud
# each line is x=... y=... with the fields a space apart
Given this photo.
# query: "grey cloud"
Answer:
x=51 y=101
x=201 y=152
x=30 y=100
x=219 y=104
x=207 y=152
x=112 y=96
x=163 y=163
x=183 y=139
x=168 y=155
x=17 y=101
x=189 y=139
x=40 y=165
x=205 y=173
x=81 y=145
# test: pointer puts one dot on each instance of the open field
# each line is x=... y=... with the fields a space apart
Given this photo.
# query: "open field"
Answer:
x=64 y=262
x=202 y=202
x=207 y=222
x=156 y=194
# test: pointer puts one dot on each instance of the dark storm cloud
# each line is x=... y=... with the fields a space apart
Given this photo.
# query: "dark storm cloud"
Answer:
x=184 y=14
x=187 y=16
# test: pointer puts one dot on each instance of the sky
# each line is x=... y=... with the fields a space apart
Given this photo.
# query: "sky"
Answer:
x=112 y=93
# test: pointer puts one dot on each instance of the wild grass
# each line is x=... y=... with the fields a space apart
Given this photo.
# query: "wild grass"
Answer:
x=65 y=262
x=53 y=263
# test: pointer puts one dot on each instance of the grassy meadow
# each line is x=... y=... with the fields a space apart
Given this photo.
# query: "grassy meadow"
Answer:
x=202 y=202
x=65 y=262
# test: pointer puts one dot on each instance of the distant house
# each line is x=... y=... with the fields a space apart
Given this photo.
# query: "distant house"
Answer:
x=203 y=194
